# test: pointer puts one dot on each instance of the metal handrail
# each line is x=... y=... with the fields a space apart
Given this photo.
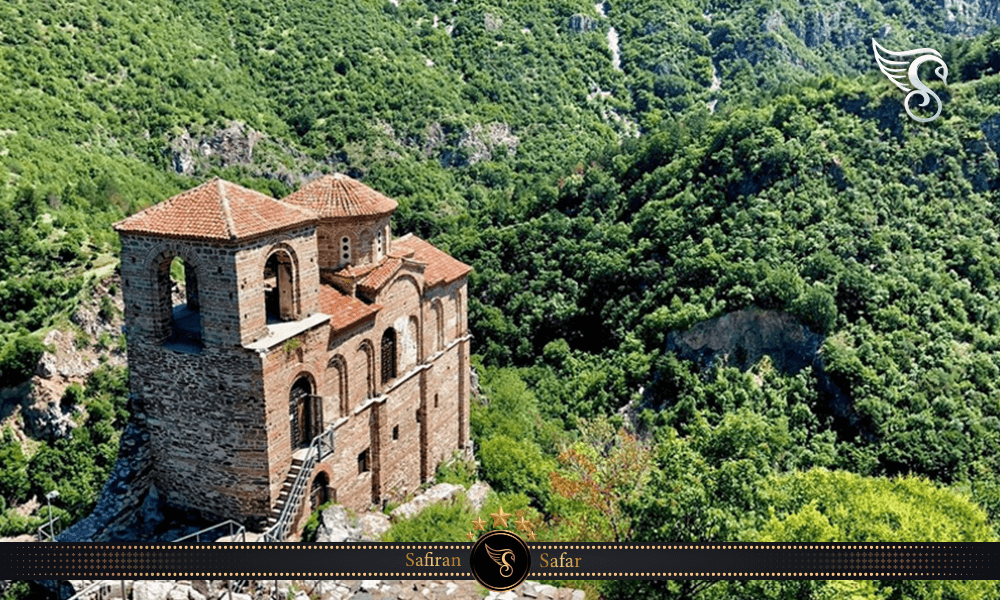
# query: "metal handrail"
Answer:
x=103 y=588
x=44 y=528
x=240 y=531
x=322 y=446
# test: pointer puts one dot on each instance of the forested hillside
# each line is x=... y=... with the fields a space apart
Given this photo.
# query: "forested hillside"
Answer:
x=743 y=155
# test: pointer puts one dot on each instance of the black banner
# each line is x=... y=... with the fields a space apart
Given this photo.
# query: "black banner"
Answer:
x=452 y=561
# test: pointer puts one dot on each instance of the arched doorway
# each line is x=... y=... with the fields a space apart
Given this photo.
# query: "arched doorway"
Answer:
x=319 y=492
x=305 y=413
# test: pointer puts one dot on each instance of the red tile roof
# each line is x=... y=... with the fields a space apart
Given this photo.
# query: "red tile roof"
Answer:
x=374 y=281
x=215 y=210
x=337 y=195
x=441 y=268
x=355 y=271
x=344 y=310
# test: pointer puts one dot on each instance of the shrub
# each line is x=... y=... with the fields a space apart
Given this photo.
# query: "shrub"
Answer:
x=19 y=357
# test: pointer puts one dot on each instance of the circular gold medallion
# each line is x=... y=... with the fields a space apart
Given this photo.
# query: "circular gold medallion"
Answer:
x=500 y=560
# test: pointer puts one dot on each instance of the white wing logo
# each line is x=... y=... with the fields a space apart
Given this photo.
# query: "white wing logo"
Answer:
x=904 y=71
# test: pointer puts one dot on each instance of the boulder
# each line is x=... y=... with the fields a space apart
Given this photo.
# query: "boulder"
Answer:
x=438 y=493
x=337 y=526
x=151 y=590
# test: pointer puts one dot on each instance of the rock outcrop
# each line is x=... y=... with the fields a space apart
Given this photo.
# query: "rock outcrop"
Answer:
x=743 y=337
x=325 y=589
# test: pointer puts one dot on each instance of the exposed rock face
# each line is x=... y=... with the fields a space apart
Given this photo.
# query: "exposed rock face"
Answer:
x=194 y=154
x=311 y=589
x=492 y=22
x=477 y=494
x=466 y=147
x=69 y=361
x=337 y=526
x=580 y=23
x=439 y=493
x=743 y=337
x=970 y=17
x=234 y=145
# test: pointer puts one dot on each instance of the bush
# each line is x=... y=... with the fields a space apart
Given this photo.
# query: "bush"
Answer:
x=511 y=465
x=817 y=308
x=459 y=470
x=312 y=525
x=19 y=357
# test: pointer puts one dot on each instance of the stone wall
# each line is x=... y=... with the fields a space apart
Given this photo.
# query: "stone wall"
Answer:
x=207 y=432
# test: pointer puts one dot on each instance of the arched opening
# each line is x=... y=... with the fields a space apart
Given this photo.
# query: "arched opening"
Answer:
x=319 y=492
x=338 y=373
x=438 y=326
x=367 y=348
x=459 y=330
x=305 y=413
x=181 y=295
x=279 y=290
x=388 y=355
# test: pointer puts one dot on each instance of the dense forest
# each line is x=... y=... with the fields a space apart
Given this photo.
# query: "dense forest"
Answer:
x=716 y=157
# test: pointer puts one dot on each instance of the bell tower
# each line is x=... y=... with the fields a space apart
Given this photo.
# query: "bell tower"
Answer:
x=250 y=263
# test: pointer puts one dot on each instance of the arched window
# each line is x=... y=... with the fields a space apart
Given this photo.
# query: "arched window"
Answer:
x=279 y=291
x=459 y=329
x=339 y=376
x=368 y=350
x=345 y=249
x=179 y=290
x=388 y=355
x=438 y=325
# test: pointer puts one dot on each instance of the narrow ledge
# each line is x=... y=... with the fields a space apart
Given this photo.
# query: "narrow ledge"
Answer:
x=280 y=332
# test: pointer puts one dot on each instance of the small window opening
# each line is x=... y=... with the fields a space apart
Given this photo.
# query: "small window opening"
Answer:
x=395 y=432
x=345 y=249
x=435 y=400
x=388 y=355
x=363 y=466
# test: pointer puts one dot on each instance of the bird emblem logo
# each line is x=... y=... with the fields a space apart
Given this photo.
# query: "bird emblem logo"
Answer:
x=903 y=69
x=500 y=558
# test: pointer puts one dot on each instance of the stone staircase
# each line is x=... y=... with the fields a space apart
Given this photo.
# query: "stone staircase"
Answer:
x=286 y=491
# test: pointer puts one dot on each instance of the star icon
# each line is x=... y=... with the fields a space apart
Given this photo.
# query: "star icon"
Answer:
x=479 y=524
x=522 y=524
x=500 y=518
x=469 y=535
x=531 y=535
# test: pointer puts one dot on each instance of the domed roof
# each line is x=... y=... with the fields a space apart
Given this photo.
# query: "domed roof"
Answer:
x=338 y=196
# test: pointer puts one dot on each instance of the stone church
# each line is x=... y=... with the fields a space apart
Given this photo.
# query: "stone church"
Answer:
x=313 y=357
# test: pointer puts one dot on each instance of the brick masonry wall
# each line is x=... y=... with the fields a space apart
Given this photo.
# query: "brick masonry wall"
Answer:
x=283 y=366
x=360 y=230
x=300 y=246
